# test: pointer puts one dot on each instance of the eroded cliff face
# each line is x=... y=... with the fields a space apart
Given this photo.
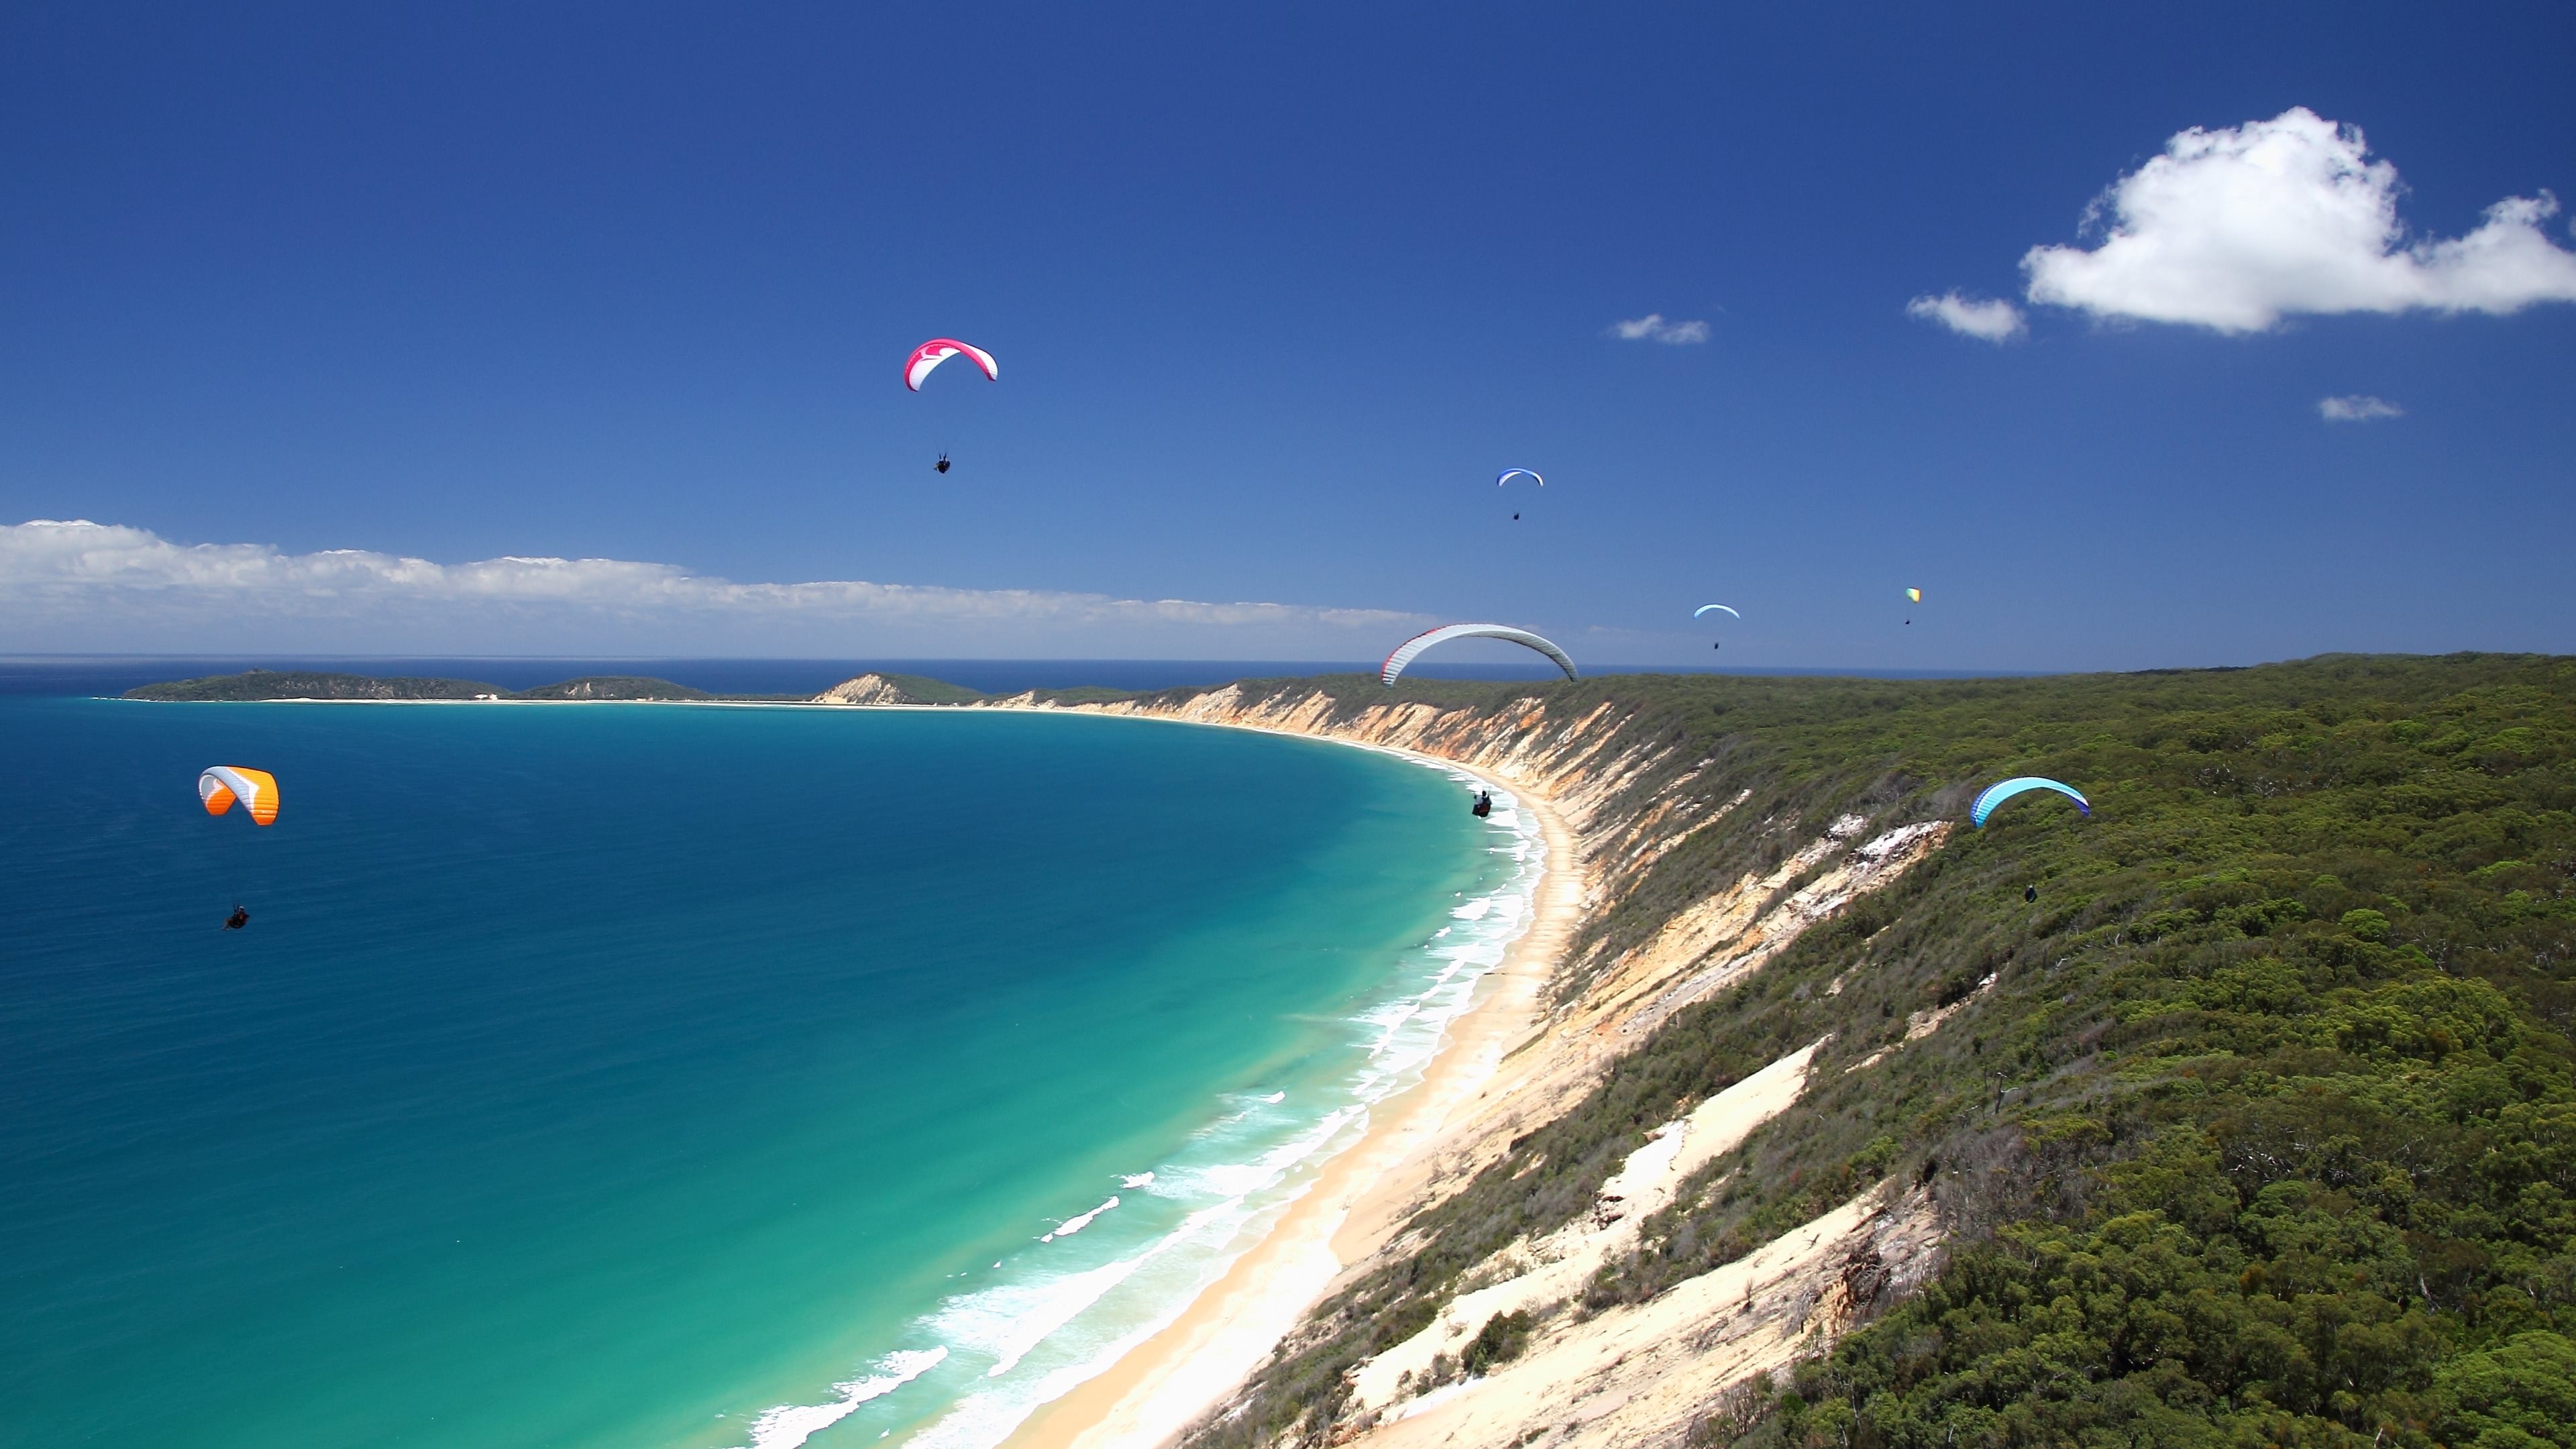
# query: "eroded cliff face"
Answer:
x=1642 y=1373
x=866 y=689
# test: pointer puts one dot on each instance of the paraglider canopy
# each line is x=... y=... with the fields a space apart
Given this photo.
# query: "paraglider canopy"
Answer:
x=1914 y=596
x=2002 y=790
x=1508 y=474
x=938 y=350
x=1412 y=648
x=1704 y=608
x=219 y=787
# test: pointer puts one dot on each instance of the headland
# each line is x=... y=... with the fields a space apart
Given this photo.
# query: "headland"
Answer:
x=1805 y=1070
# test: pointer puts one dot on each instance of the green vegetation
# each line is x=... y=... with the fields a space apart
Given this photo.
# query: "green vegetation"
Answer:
x=1499 y=1341
x=1085 y=694
x=2256 y=1126
x=266 y=684
x=258 y=684
x=613 y=686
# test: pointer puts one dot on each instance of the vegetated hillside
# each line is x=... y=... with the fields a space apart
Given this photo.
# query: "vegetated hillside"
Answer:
x=259 y=684
x=2247 y=1102
x=613 y=686
x=269 y=684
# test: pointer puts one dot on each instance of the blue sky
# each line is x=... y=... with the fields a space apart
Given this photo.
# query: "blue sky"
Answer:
x=1276 y=294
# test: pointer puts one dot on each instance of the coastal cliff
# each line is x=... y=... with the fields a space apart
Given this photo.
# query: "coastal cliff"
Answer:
x=1614 y=774
x=2240 y=1109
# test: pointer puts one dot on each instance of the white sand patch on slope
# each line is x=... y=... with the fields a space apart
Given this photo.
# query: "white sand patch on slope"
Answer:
x=1640 y=1374
x=1555 y=1268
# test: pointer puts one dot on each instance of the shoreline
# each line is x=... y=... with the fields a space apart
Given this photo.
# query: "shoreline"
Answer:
x=1164 y=1383
x=1357 y=1200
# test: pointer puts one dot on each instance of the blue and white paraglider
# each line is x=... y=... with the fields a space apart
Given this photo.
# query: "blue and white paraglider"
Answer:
x=2002 y=790
x=1705 y=608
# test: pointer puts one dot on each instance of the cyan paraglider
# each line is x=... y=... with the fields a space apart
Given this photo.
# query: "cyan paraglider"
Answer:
x=1704 y=608
x=2002 y=790
x=1406 y=652
x=1508 y=474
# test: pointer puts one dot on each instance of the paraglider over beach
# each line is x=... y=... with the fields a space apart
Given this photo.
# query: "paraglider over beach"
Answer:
x=1412 y=648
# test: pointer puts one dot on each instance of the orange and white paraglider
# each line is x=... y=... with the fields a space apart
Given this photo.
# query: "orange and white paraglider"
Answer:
x=222 y=787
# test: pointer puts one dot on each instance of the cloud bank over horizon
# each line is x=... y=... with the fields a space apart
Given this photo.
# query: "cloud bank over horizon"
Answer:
x=69 y=586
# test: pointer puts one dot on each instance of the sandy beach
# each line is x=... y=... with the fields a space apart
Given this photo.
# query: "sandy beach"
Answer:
x=1157 y=1388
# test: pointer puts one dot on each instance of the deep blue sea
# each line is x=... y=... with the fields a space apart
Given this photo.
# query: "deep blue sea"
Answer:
x=689 y=1076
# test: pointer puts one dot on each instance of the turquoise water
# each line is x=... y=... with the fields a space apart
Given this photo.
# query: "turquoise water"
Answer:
x=633 y=1075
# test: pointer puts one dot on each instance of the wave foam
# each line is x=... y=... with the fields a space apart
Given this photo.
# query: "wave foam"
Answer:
x=789 y=1425
x=1073 y=1225
x=1004 y=1325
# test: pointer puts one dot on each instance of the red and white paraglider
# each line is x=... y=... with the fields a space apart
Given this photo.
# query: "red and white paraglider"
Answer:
x=937 y=350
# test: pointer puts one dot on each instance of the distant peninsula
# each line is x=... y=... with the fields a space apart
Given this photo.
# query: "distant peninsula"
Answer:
x=276 y=685
x=273 y=684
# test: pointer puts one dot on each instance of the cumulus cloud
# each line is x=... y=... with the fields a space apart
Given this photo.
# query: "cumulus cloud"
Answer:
x=77 y=585
x=1654 y=328
x=1992 y=320
x=2357 y=408
x=2235 y=229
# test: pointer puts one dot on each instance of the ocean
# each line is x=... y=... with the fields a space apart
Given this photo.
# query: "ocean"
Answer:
x=705 y=1077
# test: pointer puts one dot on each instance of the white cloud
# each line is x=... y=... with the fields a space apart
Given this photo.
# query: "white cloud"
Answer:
x=2357 y=408
x=1653 y=328
x=2235 y=229
x=1993 y=320
x=72 y=586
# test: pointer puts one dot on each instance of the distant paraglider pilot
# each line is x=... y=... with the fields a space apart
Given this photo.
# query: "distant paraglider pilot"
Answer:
x=942 y=464
x=238 y=919
x=1484 y=805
